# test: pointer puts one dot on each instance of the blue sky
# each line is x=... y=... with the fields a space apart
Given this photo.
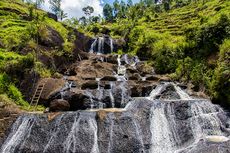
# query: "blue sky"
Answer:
x=74 y=7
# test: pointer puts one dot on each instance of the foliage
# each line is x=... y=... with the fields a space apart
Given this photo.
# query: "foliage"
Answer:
x=88 y=10
x=108 y=12
x=219 y=85
x=7 y=87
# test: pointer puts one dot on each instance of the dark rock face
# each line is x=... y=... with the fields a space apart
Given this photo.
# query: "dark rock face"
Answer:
x=51 y=38
x=181 y=127
x=109 y=78
x=90 y=85
x=59 y=105
x=52 y=16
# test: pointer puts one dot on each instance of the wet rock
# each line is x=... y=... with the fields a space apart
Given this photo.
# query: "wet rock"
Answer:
x=131 y=70
x=77 y=101
x=182 y=86
x=111 y=59
x=71 y=72
x=109 y=78
x=135 y=92
x=165 y=79
x=52 y=86
x=90 y=85
x=59 y=105
x=169 y=93
x=152 y=78
x=146 y=90
x=135 y=76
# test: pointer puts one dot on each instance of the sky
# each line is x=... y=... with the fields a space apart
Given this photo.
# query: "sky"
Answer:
x=73 y=8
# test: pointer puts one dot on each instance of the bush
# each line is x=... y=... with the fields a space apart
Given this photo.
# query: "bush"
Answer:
x=68 y=47
x=206 y=39
x=16 y=95
x=6 y=87
x=220 y=82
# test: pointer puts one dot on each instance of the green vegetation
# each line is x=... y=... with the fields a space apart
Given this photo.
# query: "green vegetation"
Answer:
x=22 y=26
x=187 y=39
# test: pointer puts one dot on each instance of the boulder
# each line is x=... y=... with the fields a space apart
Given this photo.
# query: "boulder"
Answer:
x=112 y=59
x=152 y=78
x=50 y=38
x=135 y=76
x=59 y=105
x=52 y=16
x=90 y=85
x=109 y=78
x=51 y=88
x=169 y=93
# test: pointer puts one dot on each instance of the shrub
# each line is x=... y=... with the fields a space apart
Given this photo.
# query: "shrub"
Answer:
x=16 y=95
x=68 y=47
x=220 y=81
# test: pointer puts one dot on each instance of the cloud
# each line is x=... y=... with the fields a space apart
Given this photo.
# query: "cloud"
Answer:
x=73 y=8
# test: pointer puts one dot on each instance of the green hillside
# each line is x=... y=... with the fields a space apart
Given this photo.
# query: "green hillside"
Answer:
x=22 y=27
x=189 y=42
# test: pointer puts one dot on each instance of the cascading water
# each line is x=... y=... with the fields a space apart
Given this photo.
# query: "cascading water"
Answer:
x=167 y=120
x=90 y=95
x=159 y=126
x=93 y=45
x=18 y=135
x=101 y=41
x=73 y=141
x=111 y=94
x=111 y=44
x=183 y=95
x=102 y=45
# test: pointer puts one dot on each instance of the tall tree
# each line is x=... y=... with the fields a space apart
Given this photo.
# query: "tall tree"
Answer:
x=116 y=7
x=108 y=12
x=123 y=9
x=129 y=3
x=62 y=15
x=148 y=2
x=83 y=21
x=88 y=10
x=38 y=3
x=55 y=6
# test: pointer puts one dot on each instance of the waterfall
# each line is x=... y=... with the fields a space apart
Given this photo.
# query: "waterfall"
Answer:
x=101 y=41
x=73 y=140
x=167 y=120
x=111 y=44
x=161 y=137
x=204 y=121
x=93 y=45
x=100 y=95
x=183 y=95
x=156 y=91
x=89 y=94
x=21 y=130
x=102 y=45
x=54 y=134
x=111 y=94
x=119 y=60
